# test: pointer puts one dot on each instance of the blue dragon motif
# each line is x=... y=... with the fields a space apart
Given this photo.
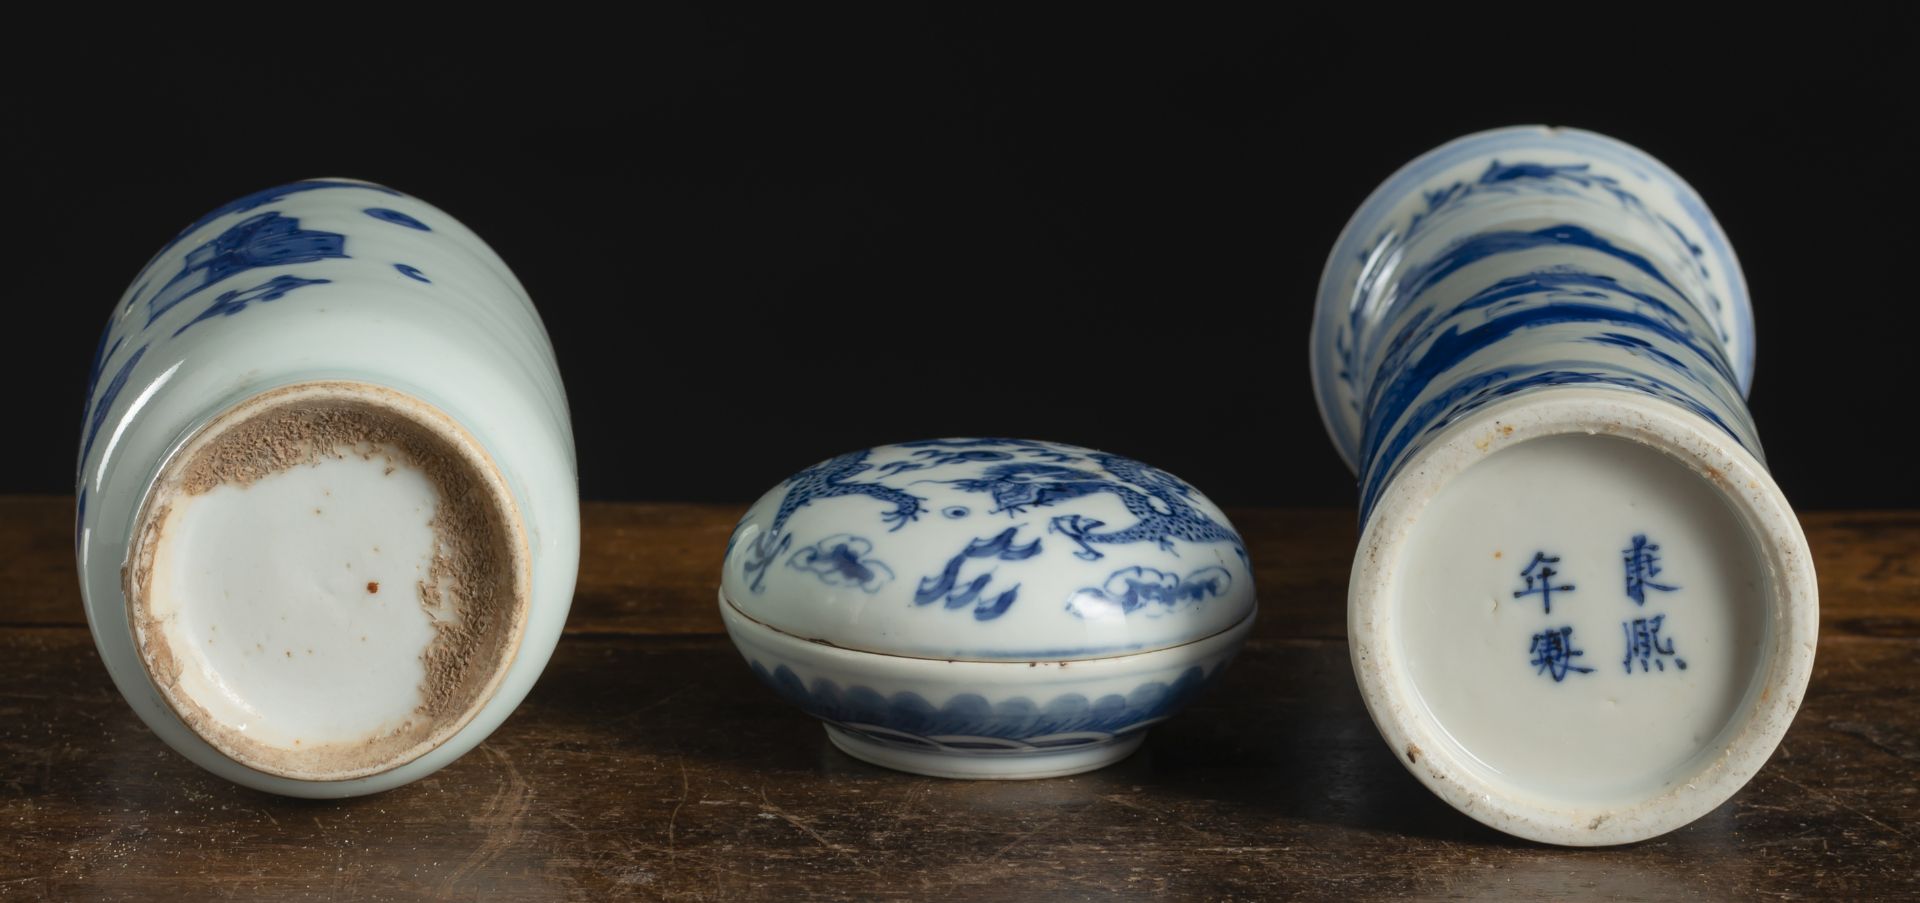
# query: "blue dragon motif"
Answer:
x=828 y=479
x=1019 y=476
x=1047 y=451
x=1158 y=500
x=941 y=452
x=933 y=457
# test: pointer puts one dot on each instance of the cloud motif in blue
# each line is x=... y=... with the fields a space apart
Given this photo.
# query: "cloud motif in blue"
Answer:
x=1130 y=589
x=841 y=560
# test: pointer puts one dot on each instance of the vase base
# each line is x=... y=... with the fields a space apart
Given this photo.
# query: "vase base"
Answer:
x=329 y=580
x=1578 y=616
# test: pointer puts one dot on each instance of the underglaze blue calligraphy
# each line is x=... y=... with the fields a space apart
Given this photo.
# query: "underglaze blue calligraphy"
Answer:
x=1643 y=564
x=1644 y=646
x=1539 y=574
x=1553 y=654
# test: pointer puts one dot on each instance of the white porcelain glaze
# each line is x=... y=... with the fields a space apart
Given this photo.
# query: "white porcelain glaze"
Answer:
x=1581 y=610
x=288 y=611
x=243 y=593
x=1034 y=565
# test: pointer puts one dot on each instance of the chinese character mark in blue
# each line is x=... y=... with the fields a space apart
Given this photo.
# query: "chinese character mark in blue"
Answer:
x=1643 y=645
x=1643 y=564
x=1553 y=653
x=1539 y=579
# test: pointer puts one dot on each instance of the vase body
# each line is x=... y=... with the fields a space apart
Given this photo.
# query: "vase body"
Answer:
x=327 y=524
x=1581 y=610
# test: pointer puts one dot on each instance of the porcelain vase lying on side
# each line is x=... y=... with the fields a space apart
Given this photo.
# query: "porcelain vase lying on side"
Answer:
x=1581 y=610
x=327 y=523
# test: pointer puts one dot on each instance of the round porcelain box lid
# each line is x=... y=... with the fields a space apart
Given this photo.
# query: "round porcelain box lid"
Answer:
x=988 y=550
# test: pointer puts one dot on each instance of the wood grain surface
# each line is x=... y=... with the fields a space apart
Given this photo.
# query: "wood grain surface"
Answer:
x=649 y=764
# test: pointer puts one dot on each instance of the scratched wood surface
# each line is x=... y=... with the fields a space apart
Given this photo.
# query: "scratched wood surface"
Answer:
x=648 y=764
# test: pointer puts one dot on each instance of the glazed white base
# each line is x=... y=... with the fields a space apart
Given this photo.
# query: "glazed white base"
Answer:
x=292 y=605
x=1003 y=767
x=1597 y=725
x=1443 y=648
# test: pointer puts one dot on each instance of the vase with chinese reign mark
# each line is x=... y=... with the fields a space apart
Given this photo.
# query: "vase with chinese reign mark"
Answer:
x=327 y=523
x=1581 y=610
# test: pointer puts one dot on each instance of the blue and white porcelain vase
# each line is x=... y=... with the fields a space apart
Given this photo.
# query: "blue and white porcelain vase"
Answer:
x=1581 y=611
x=986 y=608
x=328 y=522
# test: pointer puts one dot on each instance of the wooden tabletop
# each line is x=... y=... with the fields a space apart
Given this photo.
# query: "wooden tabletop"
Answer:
x=648 y=763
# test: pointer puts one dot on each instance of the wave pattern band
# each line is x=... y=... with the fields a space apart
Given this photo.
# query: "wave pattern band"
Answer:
x=1610 y=270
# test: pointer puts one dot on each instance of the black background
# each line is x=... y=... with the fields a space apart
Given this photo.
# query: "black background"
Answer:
x=760 y=242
